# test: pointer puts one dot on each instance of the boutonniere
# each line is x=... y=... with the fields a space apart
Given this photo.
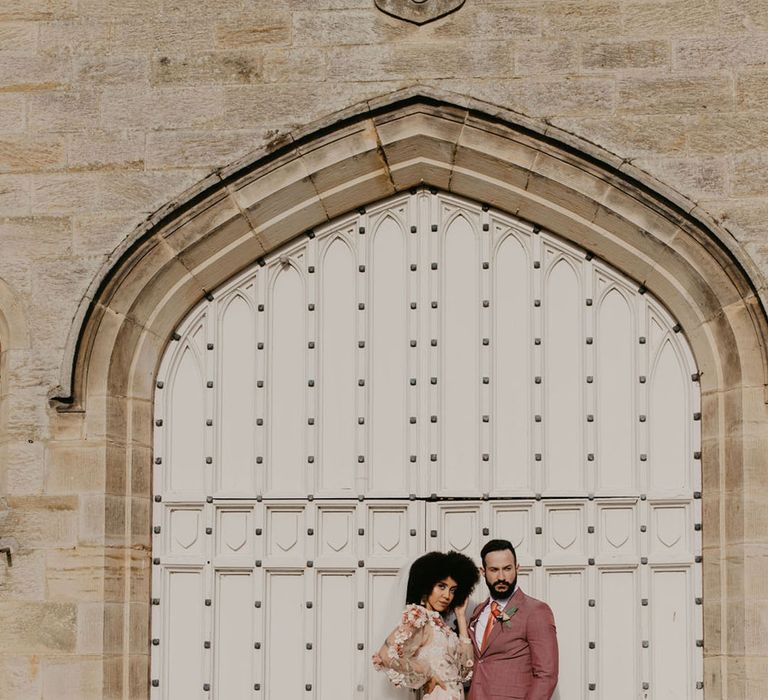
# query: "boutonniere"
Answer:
x=505 y=616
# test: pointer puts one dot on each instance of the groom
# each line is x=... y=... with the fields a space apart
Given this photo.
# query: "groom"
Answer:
x=513 y=635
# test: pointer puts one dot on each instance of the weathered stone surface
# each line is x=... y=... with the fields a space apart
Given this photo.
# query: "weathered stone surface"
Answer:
x=38 y=628
x=294 y=65
x=19 y=37
x=12 y=110
x=14 y=195
x=22 y=154
x=675 y=95
x=73 y=469
x=536 y=55
x=198 y=149
x=258 y=28
x=416 y=61
x=215 y=68
x=25 y=579
x=750 y=174
x=73 y=678
x=670 y=17
x=625 y=54
x=75 y=574
x=29 y=73
x=41 y=521
x=571 y=18
x=701 y=177
x=21 y=677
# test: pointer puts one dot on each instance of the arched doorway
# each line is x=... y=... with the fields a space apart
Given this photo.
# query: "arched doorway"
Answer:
x=424 y=373
x=367 y=154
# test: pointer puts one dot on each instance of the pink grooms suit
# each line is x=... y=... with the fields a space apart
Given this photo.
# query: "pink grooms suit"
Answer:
x=519 y=659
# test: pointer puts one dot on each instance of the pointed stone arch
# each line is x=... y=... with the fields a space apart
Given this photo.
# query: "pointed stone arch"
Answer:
x=524 y=167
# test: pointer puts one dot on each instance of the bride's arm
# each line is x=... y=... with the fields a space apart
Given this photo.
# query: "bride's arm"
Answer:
x=465 y=654
x=398 y=655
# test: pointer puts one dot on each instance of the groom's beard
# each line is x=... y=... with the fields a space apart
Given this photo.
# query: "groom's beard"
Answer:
x=502 y=589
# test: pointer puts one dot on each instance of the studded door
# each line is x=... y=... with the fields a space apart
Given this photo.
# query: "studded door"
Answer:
x=425 y=374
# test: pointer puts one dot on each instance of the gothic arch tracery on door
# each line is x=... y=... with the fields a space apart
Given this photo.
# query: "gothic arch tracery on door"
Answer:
x=426 y=373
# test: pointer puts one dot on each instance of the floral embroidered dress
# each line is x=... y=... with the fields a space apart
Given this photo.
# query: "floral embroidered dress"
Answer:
x=423 y=646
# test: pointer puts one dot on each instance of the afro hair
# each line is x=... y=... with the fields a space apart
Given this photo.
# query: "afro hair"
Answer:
x=432 y=567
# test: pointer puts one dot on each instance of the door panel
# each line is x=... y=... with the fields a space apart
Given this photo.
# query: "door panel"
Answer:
x=424 y=374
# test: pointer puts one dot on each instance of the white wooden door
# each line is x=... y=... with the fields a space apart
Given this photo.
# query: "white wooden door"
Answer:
x=426 y=374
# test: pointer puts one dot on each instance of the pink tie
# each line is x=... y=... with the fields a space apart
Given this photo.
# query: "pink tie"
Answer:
x=492 y=618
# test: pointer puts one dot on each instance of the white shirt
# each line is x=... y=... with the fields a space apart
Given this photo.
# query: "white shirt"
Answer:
x=482 y=621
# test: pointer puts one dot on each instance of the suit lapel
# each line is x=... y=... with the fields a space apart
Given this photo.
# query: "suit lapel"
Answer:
x=473 y=622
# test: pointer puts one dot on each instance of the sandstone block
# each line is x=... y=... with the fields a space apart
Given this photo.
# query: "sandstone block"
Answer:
x=22 y=154
x=634 y=134
x=162 y=108
x=38 y=628
x=294 y=65
x=417 y=61
x=717 y=53
x=143 y=192
x=25 y=580
x=697 y=178
x=90 y=628
x=625 y=54
x=72 y=678
x=12 y=112
x=293 y=104
x=14 y=195
x=476 y=22
x=257 y=29
x=578 y=18
x=732 y=132
x=29 y=73
x=106 y=150
x=21 y=676
x=19 y=10
x=75 y=575
x=670 y=17
x=41 y=521
x=213 y=68
x=72 y=469
x=569 y=96
x=19 y=37
x=63 y=194
x=178 y=32
x=343 y=27
x=675 y=95
x=538 y=55
x=752 y=90
x=744 y=16
x=750 y=174
x=199 y=149
x=110 y=70
x=48 y=235
x=76 y=36
x=100 y=230
x=68 y=110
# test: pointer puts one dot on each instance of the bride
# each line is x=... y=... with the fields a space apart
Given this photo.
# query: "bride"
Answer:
x=423 y=652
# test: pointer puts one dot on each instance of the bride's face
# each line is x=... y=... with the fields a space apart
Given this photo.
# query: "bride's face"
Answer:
x=442 y=594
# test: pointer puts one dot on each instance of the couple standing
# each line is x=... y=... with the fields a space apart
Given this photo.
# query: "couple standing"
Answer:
x=507 y=646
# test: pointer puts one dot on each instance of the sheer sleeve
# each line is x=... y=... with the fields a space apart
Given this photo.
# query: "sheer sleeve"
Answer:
x=397 y=658
x=465 y=659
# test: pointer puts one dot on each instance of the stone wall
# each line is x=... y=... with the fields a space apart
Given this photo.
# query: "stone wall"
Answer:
x=110 y=109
